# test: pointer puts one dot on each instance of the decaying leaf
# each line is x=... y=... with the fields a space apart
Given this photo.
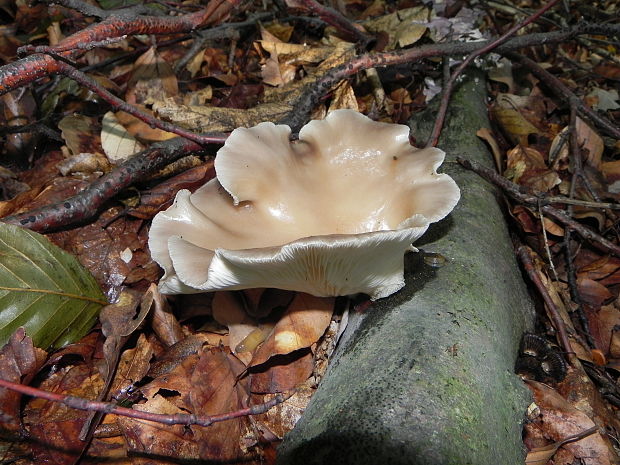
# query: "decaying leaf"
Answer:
x=213 y=375
x=404 y=27
x=561 y=420
x=81 y=134
x=526 y=166
x=153 y=79
x=20 y=361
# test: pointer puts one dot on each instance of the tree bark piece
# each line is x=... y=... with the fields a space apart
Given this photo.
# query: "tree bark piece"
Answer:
x=425 y=376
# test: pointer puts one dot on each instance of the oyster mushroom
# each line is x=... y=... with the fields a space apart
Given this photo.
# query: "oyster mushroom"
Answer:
x=330 y=214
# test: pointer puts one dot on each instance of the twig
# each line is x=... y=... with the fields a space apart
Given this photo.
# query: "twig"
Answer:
x=519 y=194
x=80 y=403
x=92 y=10
x=447 y=92
x=86 y=204
x=525 y=255
x=335 y=19
x=316 y=91
x=560 y=89
x=578 y=175
x=27 y=70
x=120 y=105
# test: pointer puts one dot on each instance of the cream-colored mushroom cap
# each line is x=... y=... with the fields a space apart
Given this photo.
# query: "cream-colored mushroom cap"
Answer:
x=330 y=214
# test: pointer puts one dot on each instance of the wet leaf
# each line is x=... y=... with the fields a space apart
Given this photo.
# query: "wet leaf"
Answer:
x=44 y=289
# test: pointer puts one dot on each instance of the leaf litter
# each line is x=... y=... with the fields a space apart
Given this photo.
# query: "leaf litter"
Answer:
x=215 y=354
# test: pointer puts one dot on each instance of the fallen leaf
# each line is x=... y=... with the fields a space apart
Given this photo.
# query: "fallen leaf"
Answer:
x=207 y=383
x=55 y=428
x=486 y=135
x=283 y=372
x=81 y=134
x=153 y=79
x=302 y=325
x=561 y=420
x=44 y=289
x=116 y=141
x=592 y=292
x=20 y=361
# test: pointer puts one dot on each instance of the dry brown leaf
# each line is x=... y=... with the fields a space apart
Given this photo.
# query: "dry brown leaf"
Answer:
x=153 y=79
x=133 y=365
x=592 y=292
x=20 y=361
x=164 y=323
x=81 y=134
x=302 y=325
x=103 y=246
x=591 y=144
x=488 y=136
x=176 y=442
x=343 y=97
x=207 y=383
x=526 y=166
x=55 y=428
x=514 y=124
x=404 y=27
x=591 y=149
x=561 y=420
x=283 y=373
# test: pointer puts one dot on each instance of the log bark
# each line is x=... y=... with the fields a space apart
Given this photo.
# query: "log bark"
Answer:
x=425 y=376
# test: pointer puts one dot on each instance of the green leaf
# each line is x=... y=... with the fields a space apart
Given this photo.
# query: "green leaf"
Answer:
x=44 y=289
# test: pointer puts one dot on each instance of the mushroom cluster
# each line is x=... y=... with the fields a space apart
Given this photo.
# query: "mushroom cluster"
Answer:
x=330 y=214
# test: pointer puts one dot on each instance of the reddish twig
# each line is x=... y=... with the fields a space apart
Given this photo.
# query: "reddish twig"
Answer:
x=560 y=89
x=85 y=205
x=80 y=403
x=335 y=19
x=521 y=195
x=29 y=69
x=448 y=86
x=525 y=255
x=120 y=105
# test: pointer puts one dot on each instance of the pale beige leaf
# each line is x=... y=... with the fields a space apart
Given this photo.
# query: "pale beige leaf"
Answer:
x=302 y=325
x=116 y=141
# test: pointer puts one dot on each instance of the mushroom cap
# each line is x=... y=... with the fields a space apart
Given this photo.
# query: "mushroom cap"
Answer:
x=330 y=214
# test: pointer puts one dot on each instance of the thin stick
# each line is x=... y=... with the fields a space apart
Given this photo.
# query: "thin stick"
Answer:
x=80 y=403
x=86 y=204
x=525 y=255
x=448 y=86
x=560 y=89
x=519 y=194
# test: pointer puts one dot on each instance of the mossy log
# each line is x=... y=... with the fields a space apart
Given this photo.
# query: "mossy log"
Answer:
x=425 y=376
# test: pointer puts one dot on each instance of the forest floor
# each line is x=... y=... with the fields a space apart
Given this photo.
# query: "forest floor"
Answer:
x=111 y=108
